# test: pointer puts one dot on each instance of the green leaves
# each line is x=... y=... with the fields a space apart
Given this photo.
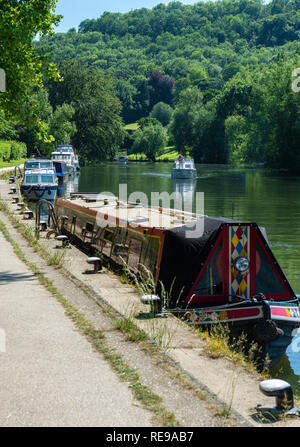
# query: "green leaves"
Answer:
x=20 y=22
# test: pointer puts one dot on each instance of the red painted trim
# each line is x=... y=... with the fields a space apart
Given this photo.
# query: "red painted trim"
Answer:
x=280 y=276
x=252 y=259
x=243 y=313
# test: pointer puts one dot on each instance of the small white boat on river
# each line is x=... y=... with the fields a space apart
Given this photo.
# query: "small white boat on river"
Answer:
x=184 y=168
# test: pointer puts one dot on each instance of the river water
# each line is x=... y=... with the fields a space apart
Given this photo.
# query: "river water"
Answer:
x=269 y=198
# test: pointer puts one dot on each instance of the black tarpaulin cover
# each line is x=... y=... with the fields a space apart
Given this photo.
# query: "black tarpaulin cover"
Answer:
x=185 y=249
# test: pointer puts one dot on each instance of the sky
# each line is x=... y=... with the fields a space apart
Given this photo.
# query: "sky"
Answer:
x=75 y=11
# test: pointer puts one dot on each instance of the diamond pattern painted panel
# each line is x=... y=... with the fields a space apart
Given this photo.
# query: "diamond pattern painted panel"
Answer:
x=239 y=245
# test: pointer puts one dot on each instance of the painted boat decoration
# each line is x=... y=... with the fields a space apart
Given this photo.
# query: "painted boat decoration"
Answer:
x=184 y=168
x=39 y=184
x=213 y=269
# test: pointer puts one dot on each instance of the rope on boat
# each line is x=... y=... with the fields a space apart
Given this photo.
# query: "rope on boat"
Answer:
x=216 y=308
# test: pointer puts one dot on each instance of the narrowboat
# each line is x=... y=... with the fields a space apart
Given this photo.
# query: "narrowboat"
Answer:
x=39 y=184
x=209 y=270
x=184 y=168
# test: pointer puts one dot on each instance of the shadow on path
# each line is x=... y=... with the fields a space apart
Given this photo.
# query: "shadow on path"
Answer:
x=9 y=277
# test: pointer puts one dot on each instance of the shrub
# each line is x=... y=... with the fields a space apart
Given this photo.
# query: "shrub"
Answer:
x=18 y=150
x=12 y=150
x=5 y=149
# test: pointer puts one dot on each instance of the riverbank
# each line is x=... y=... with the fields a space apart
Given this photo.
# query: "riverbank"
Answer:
x=198 y=390
x=11 y=167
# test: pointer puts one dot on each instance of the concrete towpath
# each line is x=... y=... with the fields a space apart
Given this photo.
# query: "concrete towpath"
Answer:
x=50 y=375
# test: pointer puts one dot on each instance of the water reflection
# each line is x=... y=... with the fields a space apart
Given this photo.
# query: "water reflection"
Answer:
x=71 y=185
x=184 y=193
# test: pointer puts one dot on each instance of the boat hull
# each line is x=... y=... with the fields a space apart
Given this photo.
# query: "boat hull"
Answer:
x=36 y=193
x=183 y=173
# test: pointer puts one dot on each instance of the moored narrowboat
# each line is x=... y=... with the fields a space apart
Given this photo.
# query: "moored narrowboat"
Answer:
x=211 y=270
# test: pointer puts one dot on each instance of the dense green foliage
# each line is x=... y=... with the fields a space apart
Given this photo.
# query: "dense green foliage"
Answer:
x=20 y=22
x=219 y=74
x=12 y=150
x=223 y=68
x=150 y=140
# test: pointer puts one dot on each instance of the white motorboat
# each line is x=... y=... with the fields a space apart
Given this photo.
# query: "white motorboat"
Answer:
x=184 y=168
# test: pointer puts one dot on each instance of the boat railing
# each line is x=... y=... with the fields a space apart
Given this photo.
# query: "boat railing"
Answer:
x=184 y=164
x=52 y=219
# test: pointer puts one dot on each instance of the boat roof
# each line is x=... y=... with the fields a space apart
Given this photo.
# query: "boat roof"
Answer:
x=135 y=213
x=61 y=153
x=38 y=160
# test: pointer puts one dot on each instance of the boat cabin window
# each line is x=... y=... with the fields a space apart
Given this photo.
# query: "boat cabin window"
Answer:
x=211 y=280
x=47 y=179
x=31 y=178
x=106 y=242
x=134 y=253
x=267 y=280
x=150 y=254
x=188 y=166
x=73 y=224
x=46 y=164
x=32 y=165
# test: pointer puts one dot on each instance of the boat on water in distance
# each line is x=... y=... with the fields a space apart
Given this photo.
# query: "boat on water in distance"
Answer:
x=184 y=168
x=122 y=159
x=209 y=270
x=39 y=183
x=68 y=148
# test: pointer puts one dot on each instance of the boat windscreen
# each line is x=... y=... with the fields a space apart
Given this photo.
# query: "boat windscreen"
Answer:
x=47 y=178
x=31 y=179
x=267 y=281
x=32 y=165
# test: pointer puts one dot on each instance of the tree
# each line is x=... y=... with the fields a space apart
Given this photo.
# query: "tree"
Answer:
x=235 y=132
x=7 y=129
x=20 y=22
x=97 y=110
x=161 y=88
x=162 y=112
x=183 y=121
x=150 y=141
x=59 y=124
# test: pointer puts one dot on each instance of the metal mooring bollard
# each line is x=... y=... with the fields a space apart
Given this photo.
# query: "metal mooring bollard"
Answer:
x=64 y=240
x=279 y=389
x=283 y=393
x=155 y=303
x=97 y=263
